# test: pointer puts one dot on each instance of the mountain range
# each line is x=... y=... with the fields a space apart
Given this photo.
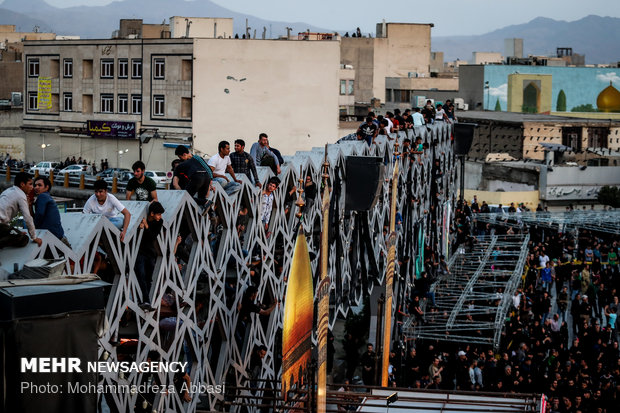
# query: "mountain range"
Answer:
x=594 y=36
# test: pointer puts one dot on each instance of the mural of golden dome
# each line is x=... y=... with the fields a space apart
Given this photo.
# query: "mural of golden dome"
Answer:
x=609 y=99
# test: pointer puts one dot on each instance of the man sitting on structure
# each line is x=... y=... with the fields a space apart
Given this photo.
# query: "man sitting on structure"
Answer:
x=192 y=174
x=263 y=155
x=221 y=164
x=46 y=215
x=144 y=187
x=243 y=163
x=108 y=206
x=13 y=201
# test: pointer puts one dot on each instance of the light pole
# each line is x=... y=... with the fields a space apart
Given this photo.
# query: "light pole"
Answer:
x=120 y=157
x=43 y=146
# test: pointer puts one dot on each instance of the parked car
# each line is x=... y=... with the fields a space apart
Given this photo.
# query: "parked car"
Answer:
x=108 y=173
x=121 y=178
x=76 y=170
x=160 y=178
x=44 y=167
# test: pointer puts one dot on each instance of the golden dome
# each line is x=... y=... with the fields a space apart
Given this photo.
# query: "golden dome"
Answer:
x=609 y=99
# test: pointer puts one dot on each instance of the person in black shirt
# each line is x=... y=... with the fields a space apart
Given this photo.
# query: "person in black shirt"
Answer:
x=192 y=174
x=368 y=366
x=368 y=131
x=243 y=163
x=147 y=252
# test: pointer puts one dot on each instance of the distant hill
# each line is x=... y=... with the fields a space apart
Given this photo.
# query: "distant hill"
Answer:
x=101 y=21
x=22 y=22
x=595 y=36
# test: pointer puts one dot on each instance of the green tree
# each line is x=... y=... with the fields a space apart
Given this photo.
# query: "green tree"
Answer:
x=561 y=104
x=498 y=106
x=584 y=108
x=609 y=195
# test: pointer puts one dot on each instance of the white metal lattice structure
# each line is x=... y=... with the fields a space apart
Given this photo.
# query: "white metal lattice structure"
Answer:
x=200 y=322
x=473 y=299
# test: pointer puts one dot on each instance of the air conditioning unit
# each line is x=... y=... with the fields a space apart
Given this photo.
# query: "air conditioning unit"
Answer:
x=459 y=103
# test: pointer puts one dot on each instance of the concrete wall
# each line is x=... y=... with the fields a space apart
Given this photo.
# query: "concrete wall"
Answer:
x=409 y=49
x=11 y=134
x=12 y=75
x=471 y=85
x=359 y=52
x=572 y=183
x=436 y=62
x=204 y=27
x=492 y=138
x=529 y=198
x=404 y=48
x=480 y=58
x=289 y=91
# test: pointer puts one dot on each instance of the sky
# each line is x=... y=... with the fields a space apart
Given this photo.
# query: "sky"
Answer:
x=451 y=17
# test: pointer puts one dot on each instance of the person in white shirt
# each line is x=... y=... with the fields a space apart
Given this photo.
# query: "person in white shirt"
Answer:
x=440 y=114
x=220 y=164
x=543 y=259
x=108 y=206
x=14 y=200
x=418 y=119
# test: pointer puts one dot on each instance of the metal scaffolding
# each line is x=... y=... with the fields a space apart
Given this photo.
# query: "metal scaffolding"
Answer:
x=603 y=221
x=472 y=300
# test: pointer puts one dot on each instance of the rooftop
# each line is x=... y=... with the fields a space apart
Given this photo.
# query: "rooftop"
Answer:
x=517 y=117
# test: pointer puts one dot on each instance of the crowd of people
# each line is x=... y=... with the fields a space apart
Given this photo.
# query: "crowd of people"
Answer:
x=561 y=333
x=375 y=125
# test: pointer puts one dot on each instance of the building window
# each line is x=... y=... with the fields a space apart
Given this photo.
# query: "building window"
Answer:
x=159 y=69
x=67 y=68
x=159 y=105
x=107 y=103
x=343 y=87
x=87 y=104
x=67 y=99
x=351 y=84
x=186 y=107
x=107 y=68
x=136 y=68
x=123 y=104
x=597 y=137
x=136 y=104
x=572 y=137
x=87 y=69
x=33 y=101
x=123 y=68
x=33 y=67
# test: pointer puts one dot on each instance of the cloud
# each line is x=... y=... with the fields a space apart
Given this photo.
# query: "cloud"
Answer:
x=608 y=77
x=501 y=91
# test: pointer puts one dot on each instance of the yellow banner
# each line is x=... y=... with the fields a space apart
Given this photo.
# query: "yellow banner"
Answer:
x=298 y=317
x=44 y=93
x=323 y=308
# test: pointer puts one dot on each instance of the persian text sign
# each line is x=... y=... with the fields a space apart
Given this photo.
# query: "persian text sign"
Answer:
x=111 y=129
x=44 y=93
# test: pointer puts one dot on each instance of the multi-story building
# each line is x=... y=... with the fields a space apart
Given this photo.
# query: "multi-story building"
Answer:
x=94 y=98
x=181 y=91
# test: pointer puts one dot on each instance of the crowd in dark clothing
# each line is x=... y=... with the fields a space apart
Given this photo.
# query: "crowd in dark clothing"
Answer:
x=560 y=337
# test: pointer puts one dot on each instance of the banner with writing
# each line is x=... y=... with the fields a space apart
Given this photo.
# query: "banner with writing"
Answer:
x=44 y=93
x=111 y=129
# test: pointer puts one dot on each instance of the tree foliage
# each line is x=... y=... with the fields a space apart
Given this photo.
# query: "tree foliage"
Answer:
x=609 y=195
x=498 y=106
x=561 y=104
x=584 y=108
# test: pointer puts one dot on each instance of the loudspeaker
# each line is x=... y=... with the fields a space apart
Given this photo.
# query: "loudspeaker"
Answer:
x=364 y=175
x=50 y=321
x=463 y=137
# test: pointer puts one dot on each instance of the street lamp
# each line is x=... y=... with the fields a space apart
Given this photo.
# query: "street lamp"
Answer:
x=43 y=146
x=120 y=156
x=142 y=139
